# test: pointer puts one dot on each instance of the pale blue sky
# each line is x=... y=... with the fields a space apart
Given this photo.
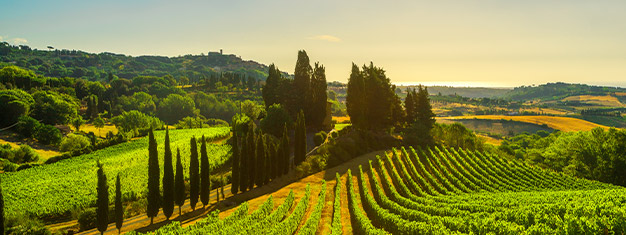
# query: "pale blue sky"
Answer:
x=487 y=43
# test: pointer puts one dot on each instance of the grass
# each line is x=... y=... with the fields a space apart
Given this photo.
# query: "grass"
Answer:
x=44 y=152
x=102 y=132
x=557 y=123
x=340 y=126
x=341 y=119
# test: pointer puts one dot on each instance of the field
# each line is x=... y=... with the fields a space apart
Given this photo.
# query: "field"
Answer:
x=497 y=126
x=557 y=123
x=44 y=152
x=57 y=189
x=102 y=132
x=433 y=191
x=607 y=100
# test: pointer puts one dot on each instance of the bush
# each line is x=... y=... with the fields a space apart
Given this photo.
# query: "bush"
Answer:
x=319 y=138
x=58 y=158
x=27 y=126
x=87 y=219
x=24 y=154
x=275 y=120
x=24 y=224
x=75 y=143
x=48 y=135
x=8 y=166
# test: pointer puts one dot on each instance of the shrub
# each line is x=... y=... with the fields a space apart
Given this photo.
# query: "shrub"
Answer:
x=27 y=126
x=87 y=219
x=275 y=120
x=24 y=224
x=24 y=154
x=319 y=138
x=75 y=143
x=48 y=135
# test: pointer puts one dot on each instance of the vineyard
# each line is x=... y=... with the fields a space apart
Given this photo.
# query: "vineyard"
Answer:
x=57 y=189
x=433 y=191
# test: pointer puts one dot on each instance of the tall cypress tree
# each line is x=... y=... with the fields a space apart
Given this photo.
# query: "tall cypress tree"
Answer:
x=102 y=211
x=179 y=183
x=259 y=161
x=319 y=96
x=168 y=178
x=205 y=174
x=119 y=209
x=285 y=151
x=1 y=211
x=356 y=98
x=300 y=140
x=302 y=83
x=243 y=162
x=409 y=106
x=271 y=92
x=154 y=176
x=251 y=161
x=267 y=174
x=194 y=175
x=274 y=163
x=234 y=188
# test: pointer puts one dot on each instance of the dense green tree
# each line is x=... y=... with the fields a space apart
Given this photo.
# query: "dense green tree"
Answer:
x=250 y=169
x=102 y=210
x=14 y=103
x=154 y=176
x=133 y=120
x=302 y=83
x=77 y=122
x=285 y=151
x=54 y=108
x=194 y=174
x=179 y=183
x=259 y=165
x=17 y=77
x=205 y=174
x=175 y=107
x=235 y=164
x=47 y=134
x=98 y=123
x=269 y=152
x=356 y=102
x=424 y=110
x=271 y=90
x=410 y=105
x=319 y=96
x=168 y=178
x=300 y=140
x=275 y=119
x=119 y=208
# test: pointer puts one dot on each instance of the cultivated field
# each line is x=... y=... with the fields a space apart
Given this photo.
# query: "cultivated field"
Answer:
x=606 y=100
x=56 y=189
x=557 y=123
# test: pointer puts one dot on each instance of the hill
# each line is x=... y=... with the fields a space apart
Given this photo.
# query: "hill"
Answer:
x=558 y=91
x=554 y=122
x=91 y=66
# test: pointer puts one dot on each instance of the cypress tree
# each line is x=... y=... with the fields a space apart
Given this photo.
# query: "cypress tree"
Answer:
x=273 y=153
x=270 y=92
x=94 y=106
x=259 y=161
x=300 y=140
x=194 y=174
x=153 y=178
x=205 y=175
x=409 y=106
x=356 y=98
x=302 y=83
x=243 y=162
x=179 y=183
x=168 y=178
x=119 y=209
x=1 y=211
x=251 y=161
x=235 y=167
x=319 y=96
x=102 y=211
x=285 y=151
x=267 y=173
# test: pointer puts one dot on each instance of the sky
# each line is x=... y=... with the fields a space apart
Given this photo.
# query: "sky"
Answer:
x=460 y=43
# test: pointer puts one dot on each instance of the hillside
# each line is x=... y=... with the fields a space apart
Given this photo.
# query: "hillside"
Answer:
x=436 y=191
x=91 y=66
x=557 y=91
x=554 y=122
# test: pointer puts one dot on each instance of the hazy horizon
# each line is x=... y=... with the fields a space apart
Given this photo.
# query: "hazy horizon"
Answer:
x=487 y=43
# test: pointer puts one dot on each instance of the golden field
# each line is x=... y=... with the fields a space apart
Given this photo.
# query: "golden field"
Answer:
x=606 y=100
x=558 y=123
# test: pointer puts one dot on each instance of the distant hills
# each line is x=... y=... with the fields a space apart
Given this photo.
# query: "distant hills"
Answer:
x=91 y=66
x=559 y=90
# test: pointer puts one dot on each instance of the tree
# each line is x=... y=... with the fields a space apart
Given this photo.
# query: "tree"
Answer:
x=179 y=183
x=300 y=140
x=424 y=112
x=275 y=118
x=98 y=123
x=267 y=160
x=194 y=174
x=234 y=188
x=77 y=122
x=318 y=96
x=102 y=211
x=259 y=165
x=355 y=98
x=134 y=120
x=285 y=153
x=205 y=174
x=119 y=209
x=271 y=93
x=410 y=105
x=175 y=107
x=154 y=176
x=273 y=159
x=250 y=159
x=14 y=103
x=54 y=108
x=302 y=82
x=168 y=178
x=1 y=211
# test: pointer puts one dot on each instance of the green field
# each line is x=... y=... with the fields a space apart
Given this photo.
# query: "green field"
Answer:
x=56 y=189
